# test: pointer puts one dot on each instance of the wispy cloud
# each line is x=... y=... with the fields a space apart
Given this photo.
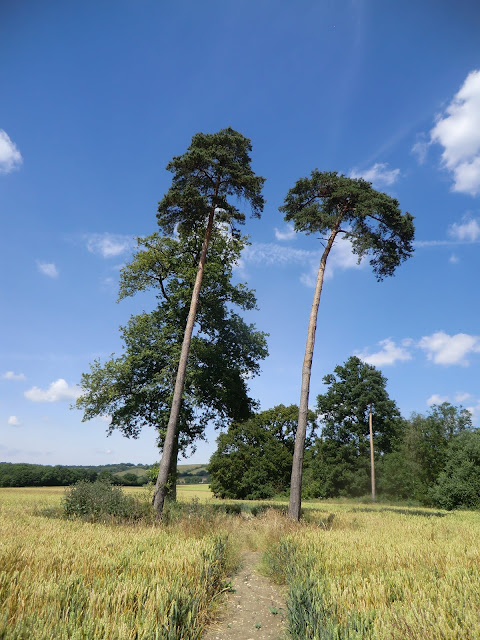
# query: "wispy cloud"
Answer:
x=378 y=174
x=276 y=255
x=459 y=233
x=420 y=148
x=466 y=231
x=287 y=234
x=389 y=354
x=58 y=391
x=108 y=245
x=457 y=130
x=14 y=421
x=10 y=156
x=10 y=375
x=48 y=269
x=458 y=398
x=446 y=350
x=436 y=399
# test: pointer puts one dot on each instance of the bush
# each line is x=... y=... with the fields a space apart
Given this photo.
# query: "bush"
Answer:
x=102 y=500
x=458 y=486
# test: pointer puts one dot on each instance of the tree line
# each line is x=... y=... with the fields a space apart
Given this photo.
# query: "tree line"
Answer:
x=124 y=473
x=431 y=459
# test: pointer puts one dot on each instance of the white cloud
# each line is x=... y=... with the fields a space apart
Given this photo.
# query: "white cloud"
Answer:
x=420 y=149
x=454 y=259
x=388 y=354
x=58 y=391
x=14 y=421
x=458 y=131
x=108 y=245
x=462 y=397
x=107 y=419
x=48 y=269
x=379 y=174
x=10 y=156
x=342 y=257
x=444 y=349
x=288 y=234
x=436 y=399
x=270 y=254
x=10 y=375
x=467 y=231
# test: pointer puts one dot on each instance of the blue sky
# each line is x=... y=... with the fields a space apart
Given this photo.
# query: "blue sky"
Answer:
x=95 y=99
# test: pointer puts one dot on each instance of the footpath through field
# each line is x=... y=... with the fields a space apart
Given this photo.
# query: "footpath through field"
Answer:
x=255 y=610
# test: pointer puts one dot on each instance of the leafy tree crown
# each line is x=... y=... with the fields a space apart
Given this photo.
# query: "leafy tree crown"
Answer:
x=370 y=219
x=214 y=172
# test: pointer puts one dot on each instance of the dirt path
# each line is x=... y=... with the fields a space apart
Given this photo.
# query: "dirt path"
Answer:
x=255 y=611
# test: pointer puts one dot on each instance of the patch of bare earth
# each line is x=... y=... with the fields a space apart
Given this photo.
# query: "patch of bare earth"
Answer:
x=255 y=610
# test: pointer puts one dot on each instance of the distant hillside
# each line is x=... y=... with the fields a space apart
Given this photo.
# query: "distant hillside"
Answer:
x=124 y=473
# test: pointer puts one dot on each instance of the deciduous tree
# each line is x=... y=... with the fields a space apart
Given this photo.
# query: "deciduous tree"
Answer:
x=254 y=457
x=135 y=389
x=354 y=388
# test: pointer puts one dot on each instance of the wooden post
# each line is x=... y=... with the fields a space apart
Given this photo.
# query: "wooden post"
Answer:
x=372 y=459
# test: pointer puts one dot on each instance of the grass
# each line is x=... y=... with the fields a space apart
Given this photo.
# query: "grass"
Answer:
x=370 y=573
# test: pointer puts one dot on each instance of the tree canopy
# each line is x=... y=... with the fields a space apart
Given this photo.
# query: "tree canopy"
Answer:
x=343 y=409
x=253 y=459
x=135 y=388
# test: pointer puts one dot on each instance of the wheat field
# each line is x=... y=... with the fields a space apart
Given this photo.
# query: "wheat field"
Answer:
x=75 y=580
x=373 y=573
x=383 y=574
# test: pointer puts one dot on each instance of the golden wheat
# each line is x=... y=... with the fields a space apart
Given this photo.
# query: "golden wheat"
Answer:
x=70 y=579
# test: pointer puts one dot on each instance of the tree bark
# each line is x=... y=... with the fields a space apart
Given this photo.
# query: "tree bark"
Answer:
x=372 y=458
x=161 y=486
x=297 y=464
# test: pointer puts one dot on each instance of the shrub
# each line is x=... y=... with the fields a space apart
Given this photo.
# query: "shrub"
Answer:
x=101 y=500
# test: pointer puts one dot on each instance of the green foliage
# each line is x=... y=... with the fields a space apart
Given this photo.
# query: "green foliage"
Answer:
x=215 y=169
x=371 y=220
x=100 y=500
x=136 y=388
x=344 y=408
x=338 y=463
x=253 y=459
x=421 y=454
x=36 y=475
x=458 y=485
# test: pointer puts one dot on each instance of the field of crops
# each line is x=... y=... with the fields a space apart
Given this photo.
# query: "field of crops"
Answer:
x=383 y=574
x=372 y=573
x=76 y=580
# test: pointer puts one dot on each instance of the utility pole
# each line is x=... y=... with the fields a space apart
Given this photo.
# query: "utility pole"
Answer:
x=372 y=459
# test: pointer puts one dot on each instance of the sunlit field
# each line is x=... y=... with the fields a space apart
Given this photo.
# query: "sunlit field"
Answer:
x=383 y=574
x=71 y=579
x=369 y=572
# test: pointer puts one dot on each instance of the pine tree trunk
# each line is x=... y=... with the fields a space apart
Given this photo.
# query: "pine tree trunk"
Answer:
x=161 y=486
x=173 y=473
x=297 y=464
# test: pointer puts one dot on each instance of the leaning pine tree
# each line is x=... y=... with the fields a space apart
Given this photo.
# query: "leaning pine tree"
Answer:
x=209 y=181
x=330 y=204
